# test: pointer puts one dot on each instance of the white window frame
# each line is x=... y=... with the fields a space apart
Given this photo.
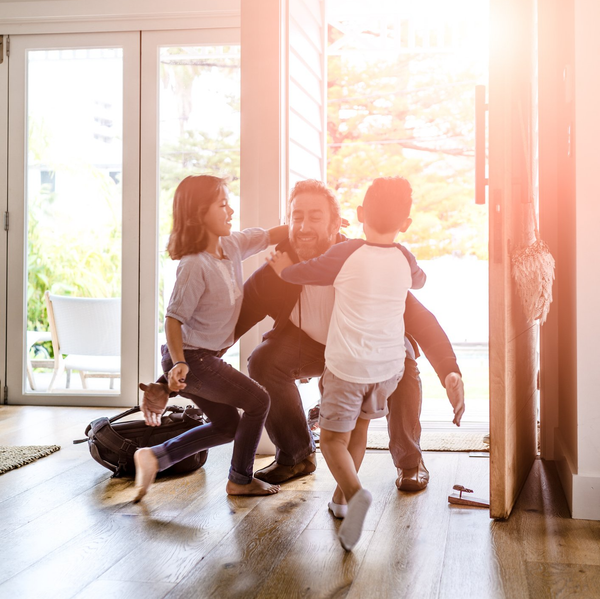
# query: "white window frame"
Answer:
x=265 y=163
x=4 y=205
x=17 y=289
x=152 y=41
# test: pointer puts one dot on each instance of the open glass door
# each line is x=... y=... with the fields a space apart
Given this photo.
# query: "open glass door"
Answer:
x=190 y=126
x=74 y=219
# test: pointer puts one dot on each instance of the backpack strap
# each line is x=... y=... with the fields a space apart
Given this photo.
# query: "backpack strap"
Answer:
x=125 y=413
x=194 y=416
x=113 y=419
x=103 y=431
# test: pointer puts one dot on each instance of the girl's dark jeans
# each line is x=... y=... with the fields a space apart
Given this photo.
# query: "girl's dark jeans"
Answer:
x=218 y=390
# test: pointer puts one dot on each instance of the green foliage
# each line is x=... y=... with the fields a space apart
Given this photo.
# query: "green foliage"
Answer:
x=410 y=115
x=74 y=244
x=62 y=260
x=194 y=153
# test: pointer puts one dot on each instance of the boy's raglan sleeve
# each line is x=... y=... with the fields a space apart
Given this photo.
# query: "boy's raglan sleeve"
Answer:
x=418 y=274
x=321 y=270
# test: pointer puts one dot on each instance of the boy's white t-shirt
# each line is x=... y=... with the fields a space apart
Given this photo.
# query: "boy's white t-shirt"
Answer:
x=365 y=342
x=208 y=292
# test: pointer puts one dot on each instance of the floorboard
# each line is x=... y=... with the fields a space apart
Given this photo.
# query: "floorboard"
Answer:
x=68 y=530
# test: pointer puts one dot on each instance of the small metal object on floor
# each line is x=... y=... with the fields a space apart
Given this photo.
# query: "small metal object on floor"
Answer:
x=458 y=499
x=479 y=454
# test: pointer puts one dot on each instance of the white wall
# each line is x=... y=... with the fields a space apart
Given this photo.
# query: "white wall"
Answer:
x=263 y=125
x=586 y=482
x=64 y=16
x=307 y=81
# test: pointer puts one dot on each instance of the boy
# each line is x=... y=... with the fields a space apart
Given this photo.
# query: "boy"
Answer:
x=365 y=351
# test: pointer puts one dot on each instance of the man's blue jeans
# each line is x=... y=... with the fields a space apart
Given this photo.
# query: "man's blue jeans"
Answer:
x=290 y=355
x=218 y=390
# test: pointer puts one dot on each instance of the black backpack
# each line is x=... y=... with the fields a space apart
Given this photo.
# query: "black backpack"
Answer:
x=113 y=445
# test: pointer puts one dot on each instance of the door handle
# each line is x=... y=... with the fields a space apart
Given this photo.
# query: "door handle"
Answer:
x=480 y=179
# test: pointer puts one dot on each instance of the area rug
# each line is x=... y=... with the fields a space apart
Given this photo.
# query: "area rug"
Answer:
x=434 y=441
x=15 y=457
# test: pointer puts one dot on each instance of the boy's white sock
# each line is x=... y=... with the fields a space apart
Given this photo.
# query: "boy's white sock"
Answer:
x=351 y=527
x=339 y=510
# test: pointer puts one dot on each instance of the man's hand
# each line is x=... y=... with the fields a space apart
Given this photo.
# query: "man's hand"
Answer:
x=455 y=390
x=279 y=261
x=154 y=402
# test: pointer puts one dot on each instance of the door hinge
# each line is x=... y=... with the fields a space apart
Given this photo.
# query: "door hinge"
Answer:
x=5 y=393
x=2 y=45
x=6 y=221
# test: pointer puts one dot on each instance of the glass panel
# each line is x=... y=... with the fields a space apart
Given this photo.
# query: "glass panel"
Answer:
x=401 y=102
x=74 y=228
x=199 y=134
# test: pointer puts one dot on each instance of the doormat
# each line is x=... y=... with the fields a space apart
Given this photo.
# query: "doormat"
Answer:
x=430 y=441
x=15 y=457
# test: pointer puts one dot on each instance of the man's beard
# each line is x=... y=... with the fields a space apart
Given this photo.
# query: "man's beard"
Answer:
x=314 y=250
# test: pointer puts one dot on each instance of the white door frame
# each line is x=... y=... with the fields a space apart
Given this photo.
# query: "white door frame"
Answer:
x=152 y=41
x=17 y=323
x=4 y=207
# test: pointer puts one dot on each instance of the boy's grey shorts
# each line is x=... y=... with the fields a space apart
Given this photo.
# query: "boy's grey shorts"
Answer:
x=344 y=402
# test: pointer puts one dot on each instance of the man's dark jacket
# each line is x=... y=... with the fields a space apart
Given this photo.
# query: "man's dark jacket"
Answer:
x=265 y=294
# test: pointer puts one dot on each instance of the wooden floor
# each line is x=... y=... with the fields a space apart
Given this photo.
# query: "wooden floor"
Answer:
x=68 y=530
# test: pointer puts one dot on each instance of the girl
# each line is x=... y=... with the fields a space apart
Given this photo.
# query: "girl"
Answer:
x=200 y=323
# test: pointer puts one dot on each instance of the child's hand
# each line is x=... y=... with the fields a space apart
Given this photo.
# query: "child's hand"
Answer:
x=279 y=261
x=344 y=223
x=177 y=376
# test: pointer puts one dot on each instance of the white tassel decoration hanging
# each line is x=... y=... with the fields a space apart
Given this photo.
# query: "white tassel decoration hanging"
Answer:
x=533 y=272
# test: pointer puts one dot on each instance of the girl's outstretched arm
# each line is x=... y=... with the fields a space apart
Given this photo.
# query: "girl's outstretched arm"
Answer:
x=180 y=369
x=278 y=234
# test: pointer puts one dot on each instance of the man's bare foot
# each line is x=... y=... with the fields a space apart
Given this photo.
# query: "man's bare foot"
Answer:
x=146 y=467
x=256 y=487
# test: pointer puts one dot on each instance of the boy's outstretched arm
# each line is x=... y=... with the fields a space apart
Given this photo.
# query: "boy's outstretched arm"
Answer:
x=278 y=261
x=418 y=277
x=321 y=270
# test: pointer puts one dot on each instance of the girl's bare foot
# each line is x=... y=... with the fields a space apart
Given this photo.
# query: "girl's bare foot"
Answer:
x=256 y=487
x=146 y=467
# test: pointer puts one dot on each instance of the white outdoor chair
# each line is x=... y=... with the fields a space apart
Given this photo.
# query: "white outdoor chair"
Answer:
x=36 y=338
x=88 y=332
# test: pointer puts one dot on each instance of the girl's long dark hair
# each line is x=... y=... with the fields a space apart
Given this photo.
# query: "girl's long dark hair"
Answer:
x=192 y=199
